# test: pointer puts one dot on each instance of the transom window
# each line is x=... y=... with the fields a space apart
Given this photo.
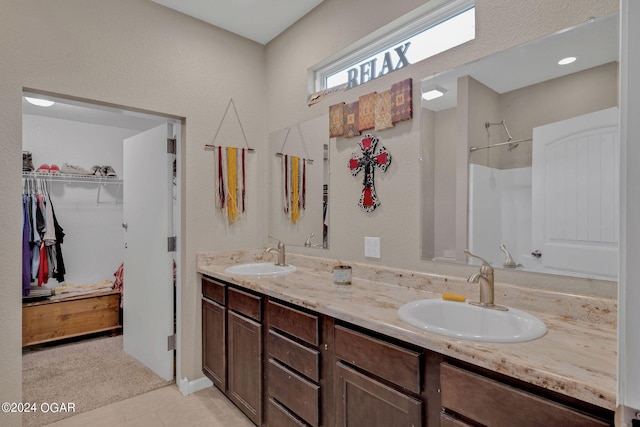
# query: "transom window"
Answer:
x=410 y=40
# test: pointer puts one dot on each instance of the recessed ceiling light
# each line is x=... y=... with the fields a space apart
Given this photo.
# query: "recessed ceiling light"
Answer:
x=567 y=60
x=39 y=102
x=434 y=93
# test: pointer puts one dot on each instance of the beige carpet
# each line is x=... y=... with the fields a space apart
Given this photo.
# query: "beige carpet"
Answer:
x=90 y=374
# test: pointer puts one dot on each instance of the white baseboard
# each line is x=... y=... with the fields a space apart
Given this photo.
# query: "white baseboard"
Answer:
x=187 y=387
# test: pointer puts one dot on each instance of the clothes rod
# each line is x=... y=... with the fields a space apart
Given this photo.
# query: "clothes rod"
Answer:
x=310 y=161
x=517 y=141
x=211 y=146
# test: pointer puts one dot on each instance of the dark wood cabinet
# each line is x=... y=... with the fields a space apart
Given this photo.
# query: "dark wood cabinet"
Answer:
x=489 y=402
x=318 y=371
x=361 y=401
x=214 y=343
x=232 y=344
x=294 y=367
x=376 y=383
x=244 y=370
x=214 y=332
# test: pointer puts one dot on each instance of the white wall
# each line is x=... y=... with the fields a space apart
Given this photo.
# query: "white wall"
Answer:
x=92 y=248
x=629 y=291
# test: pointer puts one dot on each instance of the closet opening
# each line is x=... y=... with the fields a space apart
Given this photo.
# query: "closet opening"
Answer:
x=101 y=226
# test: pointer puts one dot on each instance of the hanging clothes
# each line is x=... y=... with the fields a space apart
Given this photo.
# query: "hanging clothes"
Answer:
x=42 y=237
x=26 y=249
x=60 y=270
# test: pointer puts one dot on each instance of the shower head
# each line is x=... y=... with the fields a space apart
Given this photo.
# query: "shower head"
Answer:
x=512 y=146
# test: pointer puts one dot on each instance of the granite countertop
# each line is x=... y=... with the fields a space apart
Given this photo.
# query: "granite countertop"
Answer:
x=577 y=356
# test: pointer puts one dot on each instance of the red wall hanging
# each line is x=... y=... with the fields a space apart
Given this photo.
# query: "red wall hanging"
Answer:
x=370 y=159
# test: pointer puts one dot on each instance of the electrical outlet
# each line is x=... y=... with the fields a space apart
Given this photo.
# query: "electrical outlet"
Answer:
x=372 y=247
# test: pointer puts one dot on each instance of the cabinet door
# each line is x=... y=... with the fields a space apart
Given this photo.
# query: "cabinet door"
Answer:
x=214 y=359
x=245 y=365
x=363 y=402
x=449 y=421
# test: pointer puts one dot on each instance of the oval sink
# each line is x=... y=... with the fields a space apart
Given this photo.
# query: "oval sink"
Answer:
x=469 y=322
x=259 y=269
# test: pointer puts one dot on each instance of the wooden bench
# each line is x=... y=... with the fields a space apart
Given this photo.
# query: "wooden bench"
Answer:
x=51 y=320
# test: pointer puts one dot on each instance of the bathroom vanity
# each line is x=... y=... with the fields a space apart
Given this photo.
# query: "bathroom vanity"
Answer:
x=298 y=350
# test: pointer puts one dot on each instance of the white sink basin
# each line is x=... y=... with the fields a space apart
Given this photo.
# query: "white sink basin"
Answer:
x=468 y=322
x=259 y=269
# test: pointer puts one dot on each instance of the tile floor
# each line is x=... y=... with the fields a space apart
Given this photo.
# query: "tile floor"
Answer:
x=164 y=407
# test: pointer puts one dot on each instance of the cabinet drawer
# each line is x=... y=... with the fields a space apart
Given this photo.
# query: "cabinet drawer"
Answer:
x=244 y=303
x=293 y=391
x=492 y=403
x=277 y=415
x=302 y=359
x=294 y=322
x=213 y=290
x=388 y=361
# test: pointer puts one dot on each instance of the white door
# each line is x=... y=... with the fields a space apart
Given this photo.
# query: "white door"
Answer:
x=575 y=193
x=148 y=265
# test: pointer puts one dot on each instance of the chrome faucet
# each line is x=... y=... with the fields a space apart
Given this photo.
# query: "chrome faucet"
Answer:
x=280 y=250
x=508 y=261
x=307 y=243
x=485 y=278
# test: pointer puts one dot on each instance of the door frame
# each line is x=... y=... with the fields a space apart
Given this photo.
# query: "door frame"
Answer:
x=177 y=213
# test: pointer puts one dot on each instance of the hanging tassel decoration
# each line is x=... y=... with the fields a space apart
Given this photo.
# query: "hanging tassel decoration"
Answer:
x=295 y=195
x=304 y=184
x=243 y=180
x=294 y=175
x=232 y=185
x=285 y=173
x=220 y=199
x=231 y=182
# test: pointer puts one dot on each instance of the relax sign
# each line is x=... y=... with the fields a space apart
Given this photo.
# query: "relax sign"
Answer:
x=434 y=32
x=368 y=70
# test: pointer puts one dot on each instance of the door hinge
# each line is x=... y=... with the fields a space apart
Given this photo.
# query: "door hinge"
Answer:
x=171 y=146
x=171 y=342
x=171 y=244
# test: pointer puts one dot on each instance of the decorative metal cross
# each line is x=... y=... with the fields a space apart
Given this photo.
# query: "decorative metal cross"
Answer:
x=369 y=160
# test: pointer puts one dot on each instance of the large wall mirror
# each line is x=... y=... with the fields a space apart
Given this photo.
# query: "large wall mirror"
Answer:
x=299 y=177
x=521 y=156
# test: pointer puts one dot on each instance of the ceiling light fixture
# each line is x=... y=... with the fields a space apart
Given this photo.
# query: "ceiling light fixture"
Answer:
x=567 y=60
x=434 y=93
x=39 y=102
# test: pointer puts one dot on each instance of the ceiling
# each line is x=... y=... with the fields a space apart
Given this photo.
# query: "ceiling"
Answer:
x=257 y=20
x=593 y=43
x=66 y=109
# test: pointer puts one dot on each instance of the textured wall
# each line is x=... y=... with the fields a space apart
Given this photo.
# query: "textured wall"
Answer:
x=138 y=54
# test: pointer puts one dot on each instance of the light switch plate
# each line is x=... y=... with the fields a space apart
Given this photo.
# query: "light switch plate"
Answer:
x=372 y=247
